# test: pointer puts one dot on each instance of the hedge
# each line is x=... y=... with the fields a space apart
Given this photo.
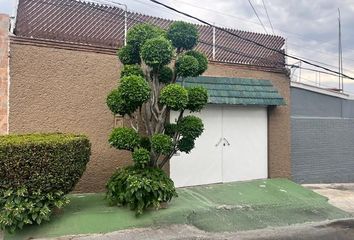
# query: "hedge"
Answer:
x=46 y=162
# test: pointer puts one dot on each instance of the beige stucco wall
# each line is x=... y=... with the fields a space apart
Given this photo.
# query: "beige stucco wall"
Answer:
x=65 y=91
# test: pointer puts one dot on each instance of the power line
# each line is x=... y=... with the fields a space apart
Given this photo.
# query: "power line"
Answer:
x=270 y=22
x=255 y=12
x=250 y=40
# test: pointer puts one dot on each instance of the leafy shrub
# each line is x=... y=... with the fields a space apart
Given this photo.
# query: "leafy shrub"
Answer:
x=183 y=35
x=140 y=189
x=145 y=143
x=187 y=66
x=117 y=104
x=129 y=70
x=129 y=55
x=161 y=143
x=186 y=144
x=191 y=127
x=134 y=91
x=141 y=157
x=157 y=52
x=124 y=138
x=171 y=129
x=197 y=98
x=174 y=97
x=19 y=207
x=140 y=33
x=165 y=74
x=38 y=170
x=202 y=61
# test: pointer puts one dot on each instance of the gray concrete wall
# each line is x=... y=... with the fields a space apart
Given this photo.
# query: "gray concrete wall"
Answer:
x=322 y=138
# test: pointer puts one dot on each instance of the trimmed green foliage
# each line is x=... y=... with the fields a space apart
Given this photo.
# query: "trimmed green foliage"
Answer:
x=36 y=171
x=165 y=74
x=202 y=61
x=183 y=35
x=171 y=129
x=186 y=144
x=140 y=188
x=129 y=55
x=191 y=127
x=141 y=157
x=135 y=90
x=197 y=98
x=117 y=104
x=129 y=70
x=145 y=143
x=187 y=66
x=140 y=33
x=124 y=138
x=161 y=143
x=157 y=52
x=174 y=97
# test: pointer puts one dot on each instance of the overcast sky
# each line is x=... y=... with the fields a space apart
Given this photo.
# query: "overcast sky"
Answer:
x=310 y=27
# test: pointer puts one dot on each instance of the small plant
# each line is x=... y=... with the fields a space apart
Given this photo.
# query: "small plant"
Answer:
x=36 y=172
x=140 y=188
x=151 y=86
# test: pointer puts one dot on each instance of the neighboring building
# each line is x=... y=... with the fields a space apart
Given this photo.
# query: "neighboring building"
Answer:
x=322 y=124
x=63 y=64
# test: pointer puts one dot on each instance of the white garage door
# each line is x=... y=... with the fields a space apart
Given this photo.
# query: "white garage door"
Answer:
x=233 y=147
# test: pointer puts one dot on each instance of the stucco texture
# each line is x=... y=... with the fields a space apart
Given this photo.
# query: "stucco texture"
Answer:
x=56 y=90
x=65 y=91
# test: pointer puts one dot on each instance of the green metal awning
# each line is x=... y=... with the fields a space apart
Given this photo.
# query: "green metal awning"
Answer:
x=238 y=91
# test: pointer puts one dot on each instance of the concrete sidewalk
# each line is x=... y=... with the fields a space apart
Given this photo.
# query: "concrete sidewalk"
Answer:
x=340 y=195
x=218 y=208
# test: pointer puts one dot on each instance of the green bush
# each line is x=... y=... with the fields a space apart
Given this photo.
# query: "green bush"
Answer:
x=140 y=189
x=191 y=127
x=157 y=52
x=165 y=74
x=117 y=104
x=186 y=144
x=161 y=143
x=124 y=138
x=187 y=66
x=36 y=171
x=129 y=55
x=140 y=33
x=183 y=35
x=129 y=70
x=19 y=207
x=171 y=129
x=197 y=98
x=202 y=61
x=135 y=90
x=174 y=97
x=141 y=157
x=145 y=143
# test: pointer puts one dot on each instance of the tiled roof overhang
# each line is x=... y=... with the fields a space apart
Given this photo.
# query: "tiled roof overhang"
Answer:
x=237 y=91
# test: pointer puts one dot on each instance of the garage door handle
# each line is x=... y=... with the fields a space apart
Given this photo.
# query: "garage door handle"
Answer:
x=218 y=143
x=227 y=142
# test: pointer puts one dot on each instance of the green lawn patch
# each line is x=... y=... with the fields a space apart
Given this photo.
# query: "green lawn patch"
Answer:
x=220 y=207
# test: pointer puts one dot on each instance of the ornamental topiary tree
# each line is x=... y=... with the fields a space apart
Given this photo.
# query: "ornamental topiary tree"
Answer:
x=156 y=63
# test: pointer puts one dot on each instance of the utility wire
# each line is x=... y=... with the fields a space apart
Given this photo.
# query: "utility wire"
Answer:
x=255 y=12
x=250 y=40
x=270 y=22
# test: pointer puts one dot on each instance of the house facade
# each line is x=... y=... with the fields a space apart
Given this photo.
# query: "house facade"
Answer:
x=62 y=63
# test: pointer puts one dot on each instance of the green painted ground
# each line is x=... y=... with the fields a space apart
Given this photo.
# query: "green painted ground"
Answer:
x=221 y=207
